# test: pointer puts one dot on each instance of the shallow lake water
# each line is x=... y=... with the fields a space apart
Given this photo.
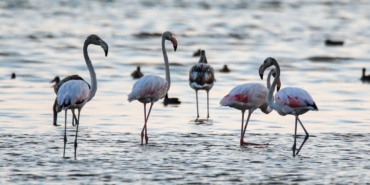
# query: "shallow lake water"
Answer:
x=43 y=39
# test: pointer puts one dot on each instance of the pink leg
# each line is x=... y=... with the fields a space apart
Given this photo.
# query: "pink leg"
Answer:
x=146 y=132
x=241 y=129
x=245 y=129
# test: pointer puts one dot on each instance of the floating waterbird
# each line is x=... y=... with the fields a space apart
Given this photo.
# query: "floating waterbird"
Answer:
x=365 y=77
x=137 y=73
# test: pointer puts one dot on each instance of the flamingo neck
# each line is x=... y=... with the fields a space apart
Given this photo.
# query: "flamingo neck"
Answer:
x=270 y=98
x=167 y=67
x=90 y=67
x=269 y=79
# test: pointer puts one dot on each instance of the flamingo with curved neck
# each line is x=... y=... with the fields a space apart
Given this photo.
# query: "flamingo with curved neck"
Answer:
x=249 y=96
x=73 y=92
x=150 y=88
x=290 y=100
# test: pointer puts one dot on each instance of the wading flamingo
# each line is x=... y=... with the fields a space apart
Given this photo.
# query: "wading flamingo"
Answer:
x=201 y=77
x=249 y=96
x=150 y=88
x=73 y=92
x=290 y=100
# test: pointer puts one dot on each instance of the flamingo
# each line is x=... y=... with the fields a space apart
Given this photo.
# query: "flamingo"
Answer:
x=365 y=77
x=150 y=88
x=201 y=77
x=137 y=73
x=73 y=92
x=290 y=100
x=249 y=96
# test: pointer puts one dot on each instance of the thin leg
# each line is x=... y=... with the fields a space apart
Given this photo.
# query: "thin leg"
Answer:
x=77 y=124
x=142 y=131
x=146 y=131
x=196 y=94
x=295 y=136
x=241 y=129
x=245 y=129
x=207 y=104
x=65 y=133
x=305 y=138
x=73 y=117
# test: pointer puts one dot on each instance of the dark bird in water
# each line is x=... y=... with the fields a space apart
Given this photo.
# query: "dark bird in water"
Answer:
x=171 y=100
x=201 y=77
x=137 y=73
x=196 y=53
x=329 y=42
x=365 y=77
x=225 y=69
x=13 y=76
x=55 y=80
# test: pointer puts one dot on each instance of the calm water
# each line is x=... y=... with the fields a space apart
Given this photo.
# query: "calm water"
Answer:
x=42 y=39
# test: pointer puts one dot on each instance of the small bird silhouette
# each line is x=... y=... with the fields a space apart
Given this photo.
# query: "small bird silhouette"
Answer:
x=137 y=73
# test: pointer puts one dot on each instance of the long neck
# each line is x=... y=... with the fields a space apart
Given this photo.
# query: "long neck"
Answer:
x=90 y=67
x=167 y=67
x=269 y=79
x=270 y=99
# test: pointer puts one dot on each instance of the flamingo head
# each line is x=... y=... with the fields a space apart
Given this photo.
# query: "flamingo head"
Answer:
x=269 y=61
x=169 y=36
x=94 y=39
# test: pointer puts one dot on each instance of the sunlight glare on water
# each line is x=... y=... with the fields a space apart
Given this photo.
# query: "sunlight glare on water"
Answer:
x=44 y=39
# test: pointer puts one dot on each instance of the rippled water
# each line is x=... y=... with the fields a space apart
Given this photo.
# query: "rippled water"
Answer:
x=42 y=39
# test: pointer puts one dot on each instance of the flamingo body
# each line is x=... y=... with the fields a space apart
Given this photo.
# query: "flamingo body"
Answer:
x=293 y=100
x=148 y=89
x=246 y=96
x=73 y=94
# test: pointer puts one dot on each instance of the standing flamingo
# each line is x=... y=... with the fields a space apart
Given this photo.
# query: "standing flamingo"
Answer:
x=290 y=100
x=150 y=88
x=201 y=77
x=73 y=92
x=249 y=96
